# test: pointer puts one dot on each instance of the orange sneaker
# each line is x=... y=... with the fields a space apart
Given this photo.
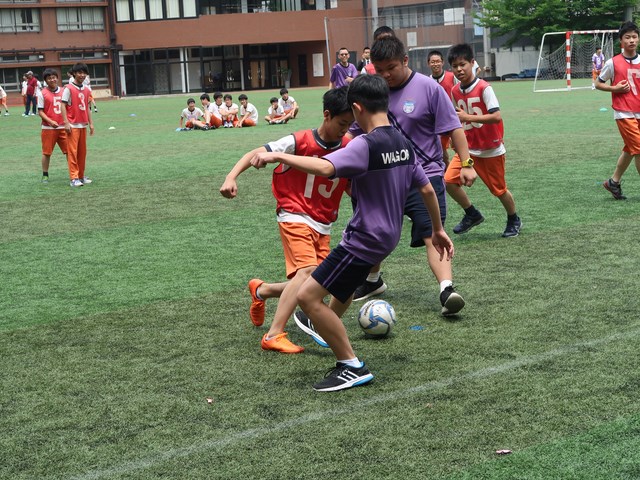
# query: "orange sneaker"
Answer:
x=280 y=343
x=256 y=310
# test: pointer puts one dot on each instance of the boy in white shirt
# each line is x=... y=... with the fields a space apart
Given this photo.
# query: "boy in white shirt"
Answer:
x=229 y=112
x=190 y=117
x=275 y=114
x=248 y=113
x=288 y=103
x=3 y=101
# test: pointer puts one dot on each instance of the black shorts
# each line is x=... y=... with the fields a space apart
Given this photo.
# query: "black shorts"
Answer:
x=341 y=273
x=415 y=209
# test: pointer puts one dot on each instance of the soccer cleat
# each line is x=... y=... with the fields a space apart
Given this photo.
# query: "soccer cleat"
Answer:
x=342 y=377
x=452 y=302
x=76 y=183
x=6 y=114
x=615 y=188
x=256 y=310
x=280 y=343
x=307 y=327
x=45 y=180
x=513 y=228
x=86 y=181
x=369 y=289
x=468 y=222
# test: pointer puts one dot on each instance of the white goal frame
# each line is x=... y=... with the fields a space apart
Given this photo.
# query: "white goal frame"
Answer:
x=568 y=50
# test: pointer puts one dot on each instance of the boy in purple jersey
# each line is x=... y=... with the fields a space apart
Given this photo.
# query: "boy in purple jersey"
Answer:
x=421 y=110
x=384 y=171
x=342 y=72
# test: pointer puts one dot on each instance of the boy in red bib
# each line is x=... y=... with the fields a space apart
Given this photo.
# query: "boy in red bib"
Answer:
x=479 y=111
x=50 y=111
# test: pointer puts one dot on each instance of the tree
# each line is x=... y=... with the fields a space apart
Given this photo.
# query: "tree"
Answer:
x=533 y=18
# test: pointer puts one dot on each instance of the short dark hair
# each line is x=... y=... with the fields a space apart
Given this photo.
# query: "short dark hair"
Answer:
x=242 y=96
x=205 y=96
x=370 y=91
x=335 y=101
x=388 y=48
x=80 y=67
x=383 y=31
x=273 y=99
x=435 y=53
x=191 y=100
x=283 y=91
x=461 y=50
x=217 y=95
x=228 y=96
x=627 y=27
x=48 y=72
x=366 y=48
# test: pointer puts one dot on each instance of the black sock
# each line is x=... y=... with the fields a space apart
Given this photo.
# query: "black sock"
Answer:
x=45 y=174
x=471 y=211
x=512 y=218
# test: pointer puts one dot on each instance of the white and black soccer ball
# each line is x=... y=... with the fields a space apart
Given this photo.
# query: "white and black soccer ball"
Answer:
x=377 y=318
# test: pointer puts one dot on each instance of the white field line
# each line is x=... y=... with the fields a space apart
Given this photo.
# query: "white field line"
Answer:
x=254 y=433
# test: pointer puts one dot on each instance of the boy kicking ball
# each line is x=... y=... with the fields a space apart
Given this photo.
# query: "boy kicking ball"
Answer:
x=383 y=170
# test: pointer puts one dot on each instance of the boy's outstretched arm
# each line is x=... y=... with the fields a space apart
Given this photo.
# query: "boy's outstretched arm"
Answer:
x=229 y=188
x=439 y=237
x=315 y=165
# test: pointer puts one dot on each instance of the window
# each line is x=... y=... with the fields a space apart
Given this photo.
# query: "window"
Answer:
x=140 y=10
x=19 y=1
x=89 y=18
x=19 y=20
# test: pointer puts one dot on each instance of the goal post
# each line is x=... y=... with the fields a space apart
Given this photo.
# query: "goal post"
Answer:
x=568 y=67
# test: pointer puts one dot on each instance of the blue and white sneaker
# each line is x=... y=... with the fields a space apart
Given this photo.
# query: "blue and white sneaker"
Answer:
x=342 y=377
x=307 y=327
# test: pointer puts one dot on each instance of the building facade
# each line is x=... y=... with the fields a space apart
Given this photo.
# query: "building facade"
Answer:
x=150 y=47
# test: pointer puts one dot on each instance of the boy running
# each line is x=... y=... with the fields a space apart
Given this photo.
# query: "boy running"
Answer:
x=479 y=111
x=622 y=72
x=384 y=171
x=50 y=111
x=3 y=101
x=307 y=205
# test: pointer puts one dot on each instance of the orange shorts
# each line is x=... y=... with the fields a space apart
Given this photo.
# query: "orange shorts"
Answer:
x=445 y=140
x=3 y=101
x=52 y=137
x=629 y=129
x=215 y=122
x=489 y=169
x=303 y=246
x=249 y=123
x=188 y=124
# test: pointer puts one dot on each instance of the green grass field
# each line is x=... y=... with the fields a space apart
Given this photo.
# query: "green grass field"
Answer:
x=123 y=307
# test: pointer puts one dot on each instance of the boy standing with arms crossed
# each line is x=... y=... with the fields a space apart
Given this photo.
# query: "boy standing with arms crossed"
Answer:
x=307 y=205
x=50 y=111
x=383 y=170
x=76 y=115
x=623 y=70
x=479 y=111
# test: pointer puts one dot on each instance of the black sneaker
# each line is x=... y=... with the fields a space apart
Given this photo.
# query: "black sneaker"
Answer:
x=615 y=188
x=468 y=222
x=369 y=289
x=513 y=228
x=452 y=302
x=342 y=377
x=307 y=327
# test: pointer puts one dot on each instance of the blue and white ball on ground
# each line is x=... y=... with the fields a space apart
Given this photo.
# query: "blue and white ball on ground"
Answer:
x=377 y=318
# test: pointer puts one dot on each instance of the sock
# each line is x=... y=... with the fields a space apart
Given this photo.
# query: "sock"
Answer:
x=512 y=218
x=471 y=211
x=373 y=277
x=45 y=174
x=614 y=182
x=444 y=284
x=258 y=294
x=353 y=362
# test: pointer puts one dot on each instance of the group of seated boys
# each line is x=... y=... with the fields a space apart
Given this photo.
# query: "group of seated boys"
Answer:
x=222 y=112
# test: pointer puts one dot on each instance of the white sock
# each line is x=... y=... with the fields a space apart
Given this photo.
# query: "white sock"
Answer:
x=373 y=277
x=444 y=284
x=353 y=362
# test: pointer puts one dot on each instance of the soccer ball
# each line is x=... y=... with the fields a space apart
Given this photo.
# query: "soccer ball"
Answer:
x=377 y=318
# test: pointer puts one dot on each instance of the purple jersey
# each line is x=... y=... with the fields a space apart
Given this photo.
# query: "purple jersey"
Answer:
x=339 y=73
x=421 y=110
x=383 y=170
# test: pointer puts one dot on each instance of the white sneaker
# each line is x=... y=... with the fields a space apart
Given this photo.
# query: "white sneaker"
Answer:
x=6 y=114
x=86 y=180
x=76 y=183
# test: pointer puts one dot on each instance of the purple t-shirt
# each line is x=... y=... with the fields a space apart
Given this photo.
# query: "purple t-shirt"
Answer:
x=339 y=73
x=421 y=110
x=383 y=170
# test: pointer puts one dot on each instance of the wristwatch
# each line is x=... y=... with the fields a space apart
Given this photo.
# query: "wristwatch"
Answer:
x=467 y=163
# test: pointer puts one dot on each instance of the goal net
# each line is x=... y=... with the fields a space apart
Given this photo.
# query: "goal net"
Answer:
x=564 y=63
